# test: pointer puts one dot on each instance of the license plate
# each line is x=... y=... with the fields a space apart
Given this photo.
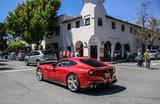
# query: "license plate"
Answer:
x=107 y=75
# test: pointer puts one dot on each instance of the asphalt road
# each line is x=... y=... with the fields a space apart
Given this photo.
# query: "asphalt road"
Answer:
x=18 y=85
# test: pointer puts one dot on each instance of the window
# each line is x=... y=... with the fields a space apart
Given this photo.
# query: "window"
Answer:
x=113 y=25
x=92 y=62
x=36 y=53
x=100 y=21
x=87 y=21
x=69 y=26
x=65 y=63
x=77 y=24
x=123 y=28
x=131 y=30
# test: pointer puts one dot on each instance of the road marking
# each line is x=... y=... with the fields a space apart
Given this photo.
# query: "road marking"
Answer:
x=11 y=71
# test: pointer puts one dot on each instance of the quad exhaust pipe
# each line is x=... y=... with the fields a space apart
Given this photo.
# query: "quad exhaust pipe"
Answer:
x=93 y=86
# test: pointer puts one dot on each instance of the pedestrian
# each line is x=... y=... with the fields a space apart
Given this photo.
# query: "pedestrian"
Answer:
x=64 y=54
x=72 y=54
x=76 y=53
x=68 y=53
x=147 y=58
x=139 y=58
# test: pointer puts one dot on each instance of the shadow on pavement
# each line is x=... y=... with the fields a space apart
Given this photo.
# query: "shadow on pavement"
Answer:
x=3 y=64
x=2 y=69
x=96 y=92
x=154 y=69
x=104 y=91
x=4 y=60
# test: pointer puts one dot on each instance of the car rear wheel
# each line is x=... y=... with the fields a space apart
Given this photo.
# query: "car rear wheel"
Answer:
x=39 y=75
x=38 y=63
x=26 y=62
x=73 y=83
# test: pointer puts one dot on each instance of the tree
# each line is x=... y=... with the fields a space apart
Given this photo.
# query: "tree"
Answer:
x=149 y=30
x=143 y=18
x=2 y=33
x=2 y=30
x=154 y=33
x=33 y=19
x=16 y=46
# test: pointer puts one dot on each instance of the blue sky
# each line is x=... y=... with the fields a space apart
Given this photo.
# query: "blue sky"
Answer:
x=121 y=9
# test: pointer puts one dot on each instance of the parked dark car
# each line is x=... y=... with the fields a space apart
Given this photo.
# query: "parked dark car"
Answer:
x=12 y=55
x=20 y=56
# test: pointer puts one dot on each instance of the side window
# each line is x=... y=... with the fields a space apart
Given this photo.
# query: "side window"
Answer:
x=36 y=53
x=87 y=21
x=31 y=54
x=123 y=27
x=69 y=26
x=113 y=25
x=61 y=63
x=71 y=63
x=64 y=63
x=77 y=23
x=100 y=21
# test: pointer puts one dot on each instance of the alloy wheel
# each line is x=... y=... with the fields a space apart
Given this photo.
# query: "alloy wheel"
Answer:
x=26 y=62
x=39 y=75
x=38 y=63
x=73 y=83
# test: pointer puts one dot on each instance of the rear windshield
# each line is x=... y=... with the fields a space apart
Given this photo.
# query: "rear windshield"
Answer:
x=92 y=62
x=48 y=52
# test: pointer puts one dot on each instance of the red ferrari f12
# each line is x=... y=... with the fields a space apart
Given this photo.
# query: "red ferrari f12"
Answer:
x=78 y=72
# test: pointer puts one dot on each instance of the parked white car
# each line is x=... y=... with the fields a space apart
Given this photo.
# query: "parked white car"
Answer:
x=40 y=57
x=154 y=54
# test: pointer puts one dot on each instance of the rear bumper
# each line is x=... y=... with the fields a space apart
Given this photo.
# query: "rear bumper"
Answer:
x=101 y=82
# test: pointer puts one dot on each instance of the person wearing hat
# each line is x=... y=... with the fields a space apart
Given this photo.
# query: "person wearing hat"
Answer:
x=147 y=58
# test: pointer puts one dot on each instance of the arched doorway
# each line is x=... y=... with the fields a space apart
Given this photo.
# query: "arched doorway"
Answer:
x=93 y=47
x=79 y=48
x=107 y=51
x=118 y=51
x=126 y=51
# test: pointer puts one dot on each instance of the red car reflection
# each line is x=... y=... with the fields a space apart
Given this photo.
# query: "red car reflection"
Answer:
x=77 y=73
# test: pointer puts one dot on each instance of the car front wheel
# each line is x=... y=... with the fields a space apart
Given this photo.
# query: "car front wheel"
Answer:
x=39 y=74
x=38 y=63
x=26 y=62
x=73 y=83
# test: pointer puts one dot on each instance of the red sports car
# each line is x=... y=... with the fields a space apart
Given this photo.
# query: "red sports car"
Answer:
x=77 y=73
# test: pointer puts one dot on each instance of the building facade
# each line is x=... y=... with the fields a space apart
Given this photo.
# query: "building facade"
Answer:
x=95 y=34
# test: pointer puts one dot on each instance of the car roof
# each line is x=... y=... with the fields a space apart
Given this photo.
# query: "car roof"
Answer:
x=76 y=58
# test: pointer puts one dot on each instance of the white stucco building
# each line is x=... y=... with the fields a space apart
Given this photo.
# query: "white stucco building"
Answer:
x=94 y=33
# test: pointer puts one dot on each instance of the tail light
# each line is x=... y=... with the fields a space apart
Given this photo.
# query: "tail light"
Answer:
x=90 y=72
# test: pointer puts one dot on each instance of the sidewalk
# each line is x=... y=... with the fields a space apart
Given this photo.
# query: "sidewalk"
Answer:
x=115 y=62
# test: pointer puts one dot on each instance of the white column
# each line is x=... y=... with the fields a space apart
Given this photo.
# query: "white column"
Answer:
x=85 y=52
x=112 y=51
x=123 y=51
x=98 y=52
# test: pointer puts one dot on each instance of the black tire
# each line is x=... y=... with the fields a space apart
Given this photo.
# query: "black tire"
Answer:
x=73 y=83
x=26 y=63
x=39 y=75
x=38 y=63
